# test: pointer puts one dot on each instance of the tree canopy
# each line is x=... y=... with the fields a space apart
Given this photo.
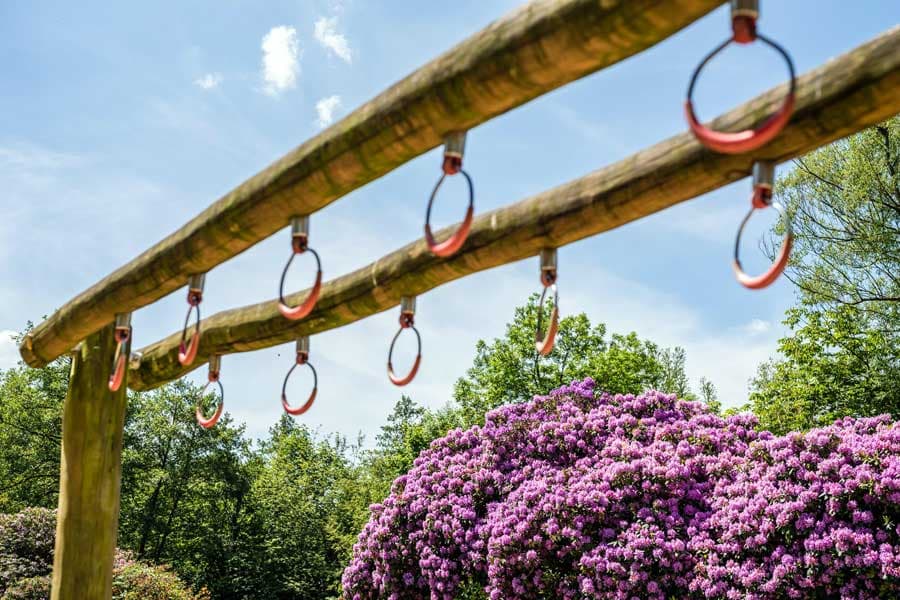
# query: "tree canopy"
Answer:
x=842 y=356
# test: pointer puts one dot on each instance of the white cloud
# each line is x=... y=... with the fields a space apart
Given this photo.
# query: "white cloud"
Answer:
x=209 y=81
x=325 y=109
x=326 y=34
x=281 y=59
x=9 y=353
x=757 y=327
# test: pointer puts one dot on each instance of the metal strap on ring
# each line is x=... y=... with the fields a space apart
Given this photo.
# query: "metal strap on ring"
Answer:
x=300 y=245
x=122 y=353
x=407 y=321
x=187 y=350
x=744 y=15
x=301 y=359
x=544 y=341
x=454 y=148
x=215 y=364
x=763 y=182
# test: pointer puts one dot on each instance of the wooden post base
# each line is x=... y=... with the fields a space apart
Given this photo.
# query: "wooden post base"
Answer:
x=90 y=475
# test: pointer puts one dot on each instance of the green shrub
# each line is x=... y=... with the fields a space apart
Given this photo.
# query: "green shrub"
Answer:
x=134 y=580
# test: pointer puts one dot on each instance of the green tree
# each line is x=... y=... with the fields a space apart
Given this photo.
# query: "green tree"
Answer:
x=508 y=369
x=842 y=356
x=31 y=406
x=185 y=488
x=304 y=523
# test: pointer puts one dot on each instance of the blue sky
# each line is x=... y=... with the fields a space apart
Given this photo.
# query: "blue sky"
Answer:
x=121 y=121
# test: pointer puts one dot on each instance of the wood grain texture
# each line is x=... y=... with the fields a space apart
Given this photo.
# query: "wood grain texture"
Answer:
x=533 y=50
x=90 y=475
x=845 y=95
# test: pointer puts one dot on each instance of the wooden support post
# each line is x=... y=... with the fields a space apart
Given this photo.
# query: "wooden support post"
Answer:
x=90 y=475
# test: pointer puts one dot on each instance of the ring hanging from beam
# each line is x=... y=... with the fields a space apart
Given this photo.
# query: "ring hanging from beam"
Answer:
x=302 y=359
x=121 y=356
x=407 y=321
x=215 y=364
x=299 y=245
x=187 y=350
x=763 y=180
x=544 y=342
x=744 y=14
x=454 y=147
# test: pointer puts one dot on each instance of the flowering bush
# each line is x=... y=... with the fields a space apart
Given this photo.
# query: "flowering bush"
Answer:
x=26 y=547
x=32 y=588
x=808 y=515
x=26 y=562
x=576 y=495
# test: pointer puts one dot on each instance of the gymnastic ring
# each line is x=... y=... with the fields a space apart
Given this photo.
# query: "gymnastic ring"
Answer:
x=544 y=342
x=120 y=359
x=451 y=245
x=749 y=139
x=302 y=310
x=312 y=396
x=187 y=351
x=781 y=261
x=401 y=381
x=209 y=423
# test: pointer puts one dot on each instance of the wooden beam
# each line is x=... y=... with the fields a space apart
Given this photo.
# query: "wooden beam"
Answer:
x=847 y=94
x=531 y=51
x=90 y=475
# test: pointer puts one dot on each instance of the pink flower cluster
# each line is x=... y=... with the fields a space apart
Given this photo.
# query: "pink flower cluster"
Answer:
x=580 y=495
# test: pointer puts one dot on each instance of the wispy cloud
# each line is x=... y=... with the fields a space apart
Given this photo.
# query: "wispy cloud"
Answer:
x=29 y=157
x=281 y=59
x=325 y=32
x=209 y=81
x=325 y=108
x=757 y=327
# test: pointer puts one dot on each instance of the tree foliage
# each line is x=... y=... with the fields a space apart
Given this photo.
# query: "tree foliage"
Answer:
x=184 y=488
x=31 y=405
x=842 y=356
x=508 y=369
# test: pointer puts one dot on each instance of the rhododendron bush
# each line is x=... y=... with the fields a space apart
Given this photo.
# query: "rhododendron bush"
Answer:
x=585 y=495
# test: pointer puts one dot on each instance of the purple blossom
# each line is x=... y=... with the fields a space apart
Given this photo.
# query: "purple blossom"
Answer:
x=586 y=495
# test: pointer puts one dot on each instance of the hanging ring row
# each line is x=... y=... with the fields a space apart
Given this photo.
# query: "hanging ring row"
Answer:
x=120 y=357
x=187 y=350
x=300 y=245
x=454 y=148
x=544 y=342
x=215 y=365
x=407 y=321
x=744 y=15
x=302 y=358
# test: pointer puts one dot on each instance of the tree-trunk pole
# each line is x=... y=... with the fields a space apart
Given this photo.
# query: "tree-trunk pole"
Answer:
x=90 y=475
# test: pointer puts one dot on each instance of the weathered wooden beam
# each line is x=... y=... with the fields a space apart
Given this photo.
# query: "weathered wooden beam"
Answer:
x=537 y=48
x=847 y=94
x=90 y=475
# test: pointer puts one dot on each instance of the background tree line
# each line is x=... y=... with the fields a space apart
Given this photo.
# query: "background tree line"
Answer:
x=277 y=517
